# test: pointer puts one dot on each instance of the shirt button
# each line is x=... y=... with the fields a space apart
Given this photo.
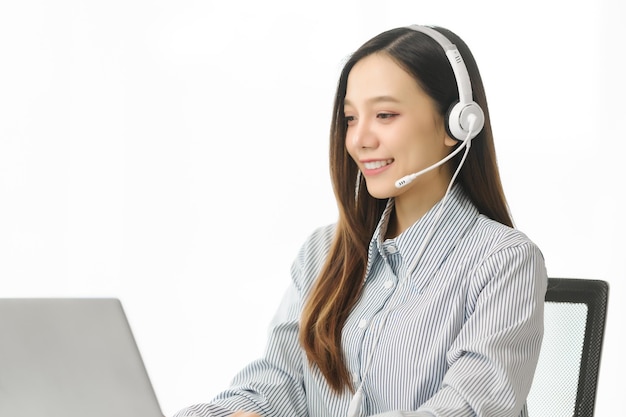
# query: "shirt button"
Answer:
x=392 y=249
x=388 y=284
x=362 y=324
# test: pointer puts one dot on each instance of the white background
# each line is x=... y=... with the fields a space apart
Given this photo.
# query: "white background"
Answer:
x=174 y=154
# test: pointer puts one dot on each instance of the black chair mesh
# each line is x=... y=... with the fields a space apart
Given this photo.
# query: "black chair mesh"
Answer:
x=566 y=379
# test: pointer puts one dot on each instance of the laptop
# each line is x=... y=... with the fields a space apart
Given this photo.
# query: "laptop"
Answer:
x=71 y=357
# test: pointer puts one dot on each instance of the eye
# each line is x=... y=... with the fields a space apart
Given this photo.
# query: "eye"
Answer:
x=350 y=120
x=386 y=116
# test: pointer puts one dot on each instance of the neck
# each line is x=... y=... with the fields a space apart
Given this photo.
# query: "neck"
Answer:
x=411 y=206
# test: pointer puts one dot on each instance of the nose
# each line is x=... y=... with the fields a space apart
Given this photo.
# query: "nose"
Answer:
x=360 y=135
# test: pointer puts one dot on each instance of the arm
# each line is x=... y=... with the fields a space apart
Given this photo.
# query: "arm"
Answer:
x=493 y=359
x=271 y=385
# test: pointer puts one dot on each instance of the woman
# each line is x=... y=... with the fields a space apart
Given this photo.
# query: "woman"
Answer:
x=422 y=300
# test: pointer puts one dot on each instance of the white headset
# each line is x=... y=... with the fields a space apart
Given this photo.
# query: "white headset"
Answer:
x=458 y=120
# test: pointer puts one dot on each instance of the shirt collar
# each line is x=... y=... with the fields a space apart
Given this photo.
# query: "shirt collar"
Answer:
x=458 y=214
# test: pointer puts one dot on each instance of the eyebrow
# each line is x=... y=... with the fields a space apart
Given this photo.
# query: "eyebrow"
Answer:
x=377 y=99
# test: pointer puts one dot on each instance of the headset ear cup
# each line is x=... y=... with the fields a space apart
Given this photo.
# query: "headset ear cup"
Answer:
x=458 y=120
x=450 y=120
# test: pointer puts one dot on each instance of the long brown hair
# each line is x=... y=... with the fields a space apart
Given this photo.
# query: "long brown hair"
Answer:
x=338 y=286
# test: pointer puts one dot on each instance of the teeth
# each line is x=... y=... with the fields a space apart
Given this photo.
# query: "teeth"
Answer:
x=377 y=164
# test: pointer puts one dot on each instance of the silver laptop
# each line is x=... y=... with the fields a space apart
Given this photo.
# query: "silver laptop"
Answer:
x=71 y=357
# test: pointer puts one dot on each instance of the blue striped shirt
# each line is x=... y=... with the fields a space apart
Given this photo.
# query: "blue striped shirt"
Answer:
x=459 y=335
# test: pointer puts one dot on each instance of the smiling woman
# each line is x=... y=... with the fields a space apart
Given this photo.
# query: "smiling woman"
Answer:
x=422 y=299
x=394 y=128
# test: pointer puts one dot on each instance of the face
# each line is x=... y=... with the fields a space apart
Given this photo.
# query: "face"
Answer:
x=394 y=128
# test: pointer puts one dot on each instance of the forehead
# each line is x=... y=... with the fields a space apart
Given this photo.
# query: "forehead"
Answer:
x=378 y=75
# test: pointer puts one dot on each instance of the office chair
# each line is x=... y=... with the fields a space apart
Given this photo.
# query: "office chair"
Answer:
x=567 y=372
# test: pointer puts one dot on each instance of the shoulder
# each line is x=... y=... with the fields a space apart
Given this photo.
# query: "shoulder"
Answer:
x=490 y=248
x=492 y=236
x=319 y=240
x=312 y=255
x=317 y=243
x=502 y=251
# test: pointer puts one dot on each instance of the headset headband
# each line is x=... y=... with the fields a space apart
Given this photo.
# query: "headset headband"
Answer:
x=459 y=113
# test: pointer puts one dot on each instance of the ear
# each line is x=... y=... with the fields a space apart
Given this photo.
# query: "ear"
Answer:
x=448 y=141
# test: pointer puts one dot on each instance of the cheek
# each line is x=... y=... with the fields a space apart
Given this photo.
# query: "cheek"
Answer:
x=350 y=144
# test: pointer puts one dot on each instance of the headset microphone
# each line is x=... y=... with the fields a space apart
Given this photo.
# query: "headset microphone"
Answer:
x=407 y=179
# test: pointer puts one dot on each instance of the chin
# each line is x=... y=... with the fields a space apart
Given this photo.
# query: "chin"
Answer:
x=382 y=193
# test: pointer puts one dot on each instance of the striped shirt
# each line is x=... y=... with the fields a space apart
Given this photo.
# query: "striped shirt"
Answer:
x=459 y=335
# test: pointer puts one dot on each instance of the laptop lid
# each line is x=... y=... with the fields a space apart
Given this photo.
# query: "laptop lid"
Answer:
x=71 y=357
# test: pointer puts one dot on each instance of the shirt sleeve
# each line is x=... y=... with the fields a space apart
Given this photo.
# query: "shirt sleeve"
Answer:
x=493 y=359
x=271 y=385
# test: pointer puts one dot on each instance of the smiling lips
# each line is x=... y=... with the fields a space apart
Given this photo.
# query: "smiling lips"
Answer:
x=375 y=165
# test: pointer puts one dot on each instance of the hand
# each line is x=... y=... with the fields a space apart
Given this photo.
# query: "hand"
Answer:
x=244 y=414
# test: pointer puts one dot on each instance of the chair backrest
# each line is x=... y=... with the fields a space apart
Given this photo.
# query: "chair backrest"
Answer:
x=567 y=372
